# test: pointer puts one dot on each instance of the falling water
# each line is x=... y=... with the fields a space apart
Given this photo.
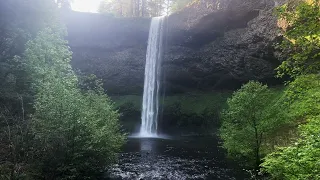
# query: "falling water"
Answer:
x=150 y=104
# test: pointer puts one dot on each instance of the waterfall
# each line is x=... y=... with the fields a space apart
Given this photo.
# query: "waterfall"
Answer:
x=150 y=103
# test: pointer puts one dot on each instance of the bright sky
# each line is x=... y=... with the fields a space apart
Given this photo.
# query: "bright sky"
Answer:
x=85 y=5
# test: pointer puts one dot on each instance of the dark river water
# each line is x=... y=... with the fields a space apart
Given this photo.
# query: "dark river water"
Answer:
x=174 y=159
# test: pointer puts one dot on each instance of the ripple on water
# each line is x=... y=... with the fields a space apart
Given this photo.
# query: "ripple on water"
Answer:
x=148 y=136
x=147 y=166
x=173 y=159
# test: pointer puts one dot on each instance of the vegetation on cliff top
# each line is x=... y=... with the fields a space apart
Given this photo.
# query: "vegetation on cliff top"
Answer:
x=302 y=40
x=141 y=8
x=152 y=8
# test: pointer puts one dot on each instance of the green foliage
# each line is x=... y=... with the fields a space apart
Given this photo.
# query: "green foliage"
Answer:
x=132 y=8
x=180 y=4
x=303 y=96
x=142 y=8
x=301 y=159
x=113 y=7
x=19 y=22
x=27 y=144
x=193 y=102
x=198 y=102
x=302 y=34
x=76 y=134
x=52 y=125
x=248 y=120
x=184 y=111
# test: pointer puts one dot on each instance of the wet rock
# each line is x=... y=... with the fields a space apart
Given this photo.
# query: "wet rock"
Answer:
x=205 y=48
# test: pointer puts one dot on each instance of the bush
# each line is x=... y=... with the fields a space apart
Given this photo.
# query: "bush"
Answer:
x=76 y=133
x=300 y=160
x=250 y=117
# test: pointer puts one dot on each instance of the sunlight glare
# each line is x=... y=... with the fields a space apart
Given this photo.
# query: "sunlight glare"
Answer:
x=85 y=5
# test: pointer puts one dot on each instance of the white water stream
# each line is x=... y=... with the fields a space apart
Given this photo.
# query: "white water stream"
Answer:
x=150 y=103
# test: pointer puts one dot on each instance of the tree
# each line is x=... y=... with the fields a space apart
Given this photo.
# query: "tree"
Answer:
x=247 y=121
x=119 y=8
x=302 y=38
x=300 y=160
x=19 y=22
x=76 y=132
x=179 y=4
x=167 y=5
x=154 y=7
x=51 y=127
x=141 y=8
x=64 y=4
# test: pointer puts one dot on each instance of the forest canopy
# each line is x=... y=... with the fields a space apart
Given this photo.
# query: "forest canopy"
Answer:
x=141 y=8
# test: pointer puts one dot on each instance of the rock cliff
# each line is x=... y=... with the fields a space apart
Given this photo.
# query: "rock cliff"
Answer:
x=208 y=46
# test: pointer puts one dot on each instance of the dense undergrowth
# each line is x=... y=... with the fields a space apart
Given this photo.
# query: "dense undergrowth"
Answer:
x=279 y=136
x=52 y=125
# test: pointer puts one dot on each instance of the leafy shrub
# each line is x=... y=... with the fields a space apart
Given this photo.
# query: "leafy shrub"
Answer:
x=251 y=116
x=300 y=160
x=76 y=132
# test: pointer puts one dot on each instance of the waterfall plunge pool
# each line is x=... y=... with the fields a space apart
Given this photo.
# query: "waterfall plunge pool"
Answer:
x=174 y=158
x=148 y=155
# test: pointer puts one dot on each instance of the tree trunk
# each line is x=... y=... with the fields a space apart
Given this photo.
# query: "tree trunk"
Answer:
x=143 y=8
x=158 y=7
x=257 y=150
x=121 y=8
x=257 y=158
x=132 y=13
x=168 y=4
x=136 y=7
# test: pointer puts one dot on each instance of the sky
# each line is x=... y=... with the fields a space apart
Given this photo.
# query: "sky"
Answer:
x=85 y=5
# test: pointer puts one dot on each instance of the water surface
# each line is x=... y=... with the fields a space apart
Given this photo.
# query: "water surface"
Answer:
x=174 y=159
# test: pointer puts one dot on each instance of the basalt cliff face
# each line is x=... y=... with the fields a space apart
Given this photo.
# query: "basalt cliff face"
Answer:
x=205 y=48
